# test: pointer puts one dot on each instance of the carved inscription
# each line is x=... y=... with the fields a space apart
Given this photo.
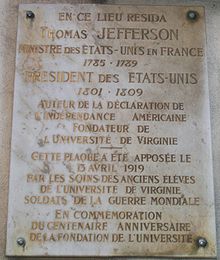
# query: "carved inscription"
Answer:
x=111 y=139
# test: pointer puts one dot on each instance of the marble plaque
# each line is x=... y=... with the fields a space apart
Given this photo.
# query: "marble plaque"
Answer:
x=111 y=148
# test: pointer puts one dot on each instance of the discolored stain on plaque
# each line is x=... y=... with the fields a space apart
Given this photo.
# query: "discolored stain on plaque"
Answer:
x=111 y=150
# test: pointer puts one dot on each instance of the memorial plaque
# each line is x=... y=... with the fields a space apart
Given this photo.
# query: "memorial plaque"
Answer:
x=110 y=152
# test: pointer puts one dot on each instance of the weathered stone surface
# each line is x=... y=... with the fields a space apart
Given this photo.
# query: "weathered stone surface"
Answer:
x=150 y=153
